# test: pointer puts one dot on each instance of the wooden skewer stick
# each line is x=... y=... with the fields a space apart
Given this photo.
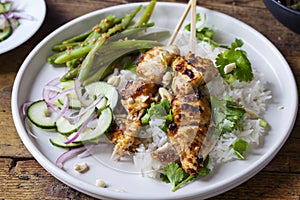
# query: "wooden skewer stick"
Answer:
x=193 y=27
x=180 y=23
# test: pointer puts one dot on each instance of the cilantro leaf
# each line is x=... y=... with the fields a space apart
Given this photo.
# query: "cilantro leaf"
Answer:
x=239 y=146
x=204 y=33
x=227 y=115
x=175 y=174
x=242 y=71
x=160 y=110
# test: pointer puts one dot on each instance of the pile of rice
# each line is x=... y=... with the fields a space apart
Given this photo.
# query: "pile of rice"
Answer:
x=252 y=95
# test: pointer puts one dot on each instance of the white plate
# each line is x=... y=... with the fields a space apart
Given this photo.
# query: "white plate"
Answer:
x=34 y=14
x=35 y=72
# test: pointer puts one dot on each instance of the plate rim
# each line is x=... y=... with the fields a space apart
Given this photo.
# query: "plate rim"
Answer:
x=34 y=151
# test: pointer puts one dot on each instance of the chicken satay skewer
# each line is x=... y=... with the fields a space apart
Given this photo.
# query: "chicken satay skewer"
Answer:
x=185 y=13
x=193 y=26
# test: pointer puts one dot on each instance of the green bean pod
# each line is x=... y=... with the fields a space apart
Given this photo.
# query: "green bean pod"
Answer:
x=70 y=75
x=146 y=14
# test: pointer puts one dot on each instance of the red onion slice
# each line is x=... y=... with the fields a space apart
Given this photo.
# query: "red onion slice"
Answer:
x=24 y=107
x=90 y=148
x=27 y=128
x=81 y=129
x=82 y=98
x=68 y=155
x=85 y=110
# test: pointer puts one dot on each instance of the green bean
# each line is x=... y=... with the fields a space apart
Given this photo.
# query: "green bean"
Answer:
x=74 y=63
x=81 y=51
x=78 y=38
x=103 y=25
x=51 y=59
x=146 y=14
x=124 y=23
x=62 y=47
x=109 y=22
x=88 y=61
x=70 y=75
x=72 y=54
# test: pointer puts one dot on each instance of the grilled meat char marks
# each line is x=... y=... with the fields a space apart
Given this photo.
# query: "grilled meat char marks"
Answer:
x=191 y=72
x=191 y=111
x=124 y=136
x=135 y=97
x=188 y=131
x=138 y=95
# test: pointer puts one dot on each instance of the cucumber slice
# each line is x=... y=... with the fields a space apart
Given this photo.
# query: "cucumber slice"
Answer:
x=79 y=138
x=74 y=101
x=60 y=140
x=104 y=122
x=5 y=7
x=6 y=32
x=102 y=104
x=65 y=127
x=102 y=88
x=14 y=23
x=39 y=114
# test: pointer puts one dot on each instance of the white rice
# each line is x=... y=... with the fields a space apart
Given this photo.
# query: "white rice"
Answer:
x=253 y=95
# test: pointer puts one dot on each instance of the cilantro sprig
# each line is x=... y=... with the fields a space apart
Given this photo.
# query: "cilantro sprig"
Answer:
x=227 y=115
x=175 y=174
x=242 y=71
x=160 y=110
x=203 y=32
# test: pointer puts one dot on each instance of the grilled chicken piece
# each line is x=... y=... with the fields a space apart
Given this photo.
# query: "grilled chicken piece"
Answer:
x=191 y=72
x=124 y=136
x=192 y=116
x=153 y=64
x=137 y=96
x=189 y=142
x=191 y=110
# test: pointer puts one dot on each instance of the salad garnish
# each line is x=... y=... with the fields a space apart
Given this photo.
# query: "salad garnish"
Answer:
x=242 y=70
x=227 y=115
x=174 y=174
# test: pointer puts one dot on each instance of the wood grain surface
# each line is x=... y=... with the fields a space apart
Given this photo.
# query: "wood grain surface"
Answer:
x=22 y=177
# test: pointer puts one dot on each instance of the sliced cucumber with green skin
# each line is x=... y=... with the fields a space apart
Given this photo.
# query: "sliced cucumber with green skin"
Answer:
x=90 y=135
x=14 y=23
x=74 y=101
x=79 y=138
x=40 y=115
x=103 y=88
x=5 y=7
x=6 y=31
x=65 y=127
x=60 y=140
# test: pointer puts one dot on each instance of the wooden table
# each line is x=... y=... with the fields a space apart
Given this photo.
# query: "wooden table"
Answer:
x=22 y=177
